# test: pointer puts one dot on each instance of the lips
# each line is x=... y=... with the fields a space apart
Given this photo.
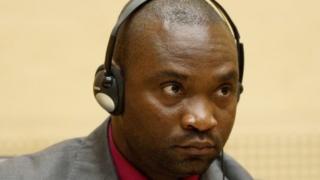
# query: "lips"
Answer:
x=197 y=148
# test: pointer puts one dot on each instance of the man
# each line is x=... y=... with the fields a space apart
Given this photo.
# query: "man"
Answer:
x=179 y=62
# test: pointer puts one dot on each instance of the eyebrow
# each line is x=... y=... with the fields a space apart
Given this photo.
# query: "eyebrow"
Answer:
x=168 y=74
x=230 y=75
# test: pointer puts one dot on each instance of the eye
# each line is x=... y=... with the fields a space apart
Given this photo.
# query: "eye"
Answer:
x=224 y=91
x=172 y=89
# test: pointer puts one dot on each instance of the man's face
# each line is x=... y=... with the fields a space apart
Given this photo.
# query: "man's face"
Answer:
x=180 y=98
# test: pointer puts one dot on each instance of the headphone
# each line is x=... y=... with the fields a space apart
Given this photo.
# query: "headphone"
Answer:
x=109 y=84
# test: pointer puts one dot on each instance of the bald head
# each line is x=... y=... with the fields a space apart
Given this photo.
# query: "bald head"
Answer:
x=186 y=12
x=154 y=15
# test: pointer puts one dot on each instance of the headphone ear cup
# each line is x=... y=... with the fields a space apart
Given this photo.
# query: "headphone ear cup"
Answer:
x=108 y=90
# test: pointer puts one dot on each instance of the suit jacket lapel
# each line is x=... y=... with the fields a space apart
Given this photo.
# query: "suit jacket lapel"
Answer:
x=214 y=172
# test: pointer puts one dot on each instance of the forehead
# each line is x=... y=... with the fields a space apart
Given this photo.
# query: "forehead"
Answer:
x=186 y=47
x=201 y=44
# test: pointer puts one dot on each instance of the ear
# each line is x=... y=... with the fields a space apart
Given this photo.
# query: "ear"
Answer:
x=240 y=90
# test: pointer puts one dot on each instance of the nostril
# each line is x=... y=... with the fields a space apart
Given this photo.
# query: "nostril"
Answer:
x=188 y=121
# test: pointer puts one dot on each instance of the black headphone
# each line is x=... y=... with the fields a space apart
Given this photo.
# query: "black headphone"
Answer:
x=109 y=85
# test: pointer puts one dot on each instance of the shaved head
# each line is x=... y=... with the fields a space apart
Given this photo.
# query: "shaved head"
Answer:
x=187 y=12
x=160 y=12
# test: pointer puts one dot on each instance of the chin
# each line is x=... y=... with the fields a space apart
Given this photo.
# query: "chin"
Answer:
x=194 y=166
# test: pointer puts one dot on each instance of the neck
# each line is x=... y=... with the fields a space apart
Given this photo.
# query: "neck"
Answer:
x=124 y=148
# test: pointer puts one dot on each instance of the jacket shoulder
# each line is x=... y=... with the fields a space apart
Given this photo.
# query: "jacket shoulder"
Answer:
x=52 y=163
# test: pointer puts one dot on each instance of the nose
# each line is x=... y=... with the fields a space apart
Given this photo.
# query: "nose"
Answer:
x=199 y=116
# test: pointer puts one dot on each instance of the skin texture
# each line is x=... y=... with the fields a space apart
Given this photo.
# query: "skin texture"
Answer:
x=181 y=89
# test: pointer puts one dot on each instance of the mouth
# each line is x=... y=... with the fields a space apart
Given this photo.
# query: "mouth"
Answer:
x=197 y=148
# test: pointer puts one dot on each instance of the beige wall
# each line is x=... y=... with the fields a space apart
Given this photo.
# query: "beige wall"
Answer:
x=49 y=51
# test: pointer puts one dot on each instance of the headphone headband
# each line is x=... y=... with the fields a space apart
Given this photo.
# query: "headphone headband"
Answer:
x=109 y=84
x=127 y=11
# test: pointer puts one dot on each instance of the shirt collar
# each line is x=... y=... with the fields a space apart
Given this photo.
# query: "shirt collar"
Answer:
x=124 y=169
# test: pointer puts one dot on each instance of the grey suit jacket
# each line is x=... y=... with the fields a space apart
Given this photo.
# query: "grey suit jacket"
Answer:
x=89 y=159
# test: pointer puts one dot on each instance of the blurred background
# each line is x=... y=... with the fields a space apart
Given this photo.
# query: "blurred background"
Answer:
x=49 y=51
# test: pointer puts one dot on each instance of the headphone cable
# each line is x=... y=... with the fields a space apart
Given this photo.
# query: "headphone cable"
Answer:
x=222 y=164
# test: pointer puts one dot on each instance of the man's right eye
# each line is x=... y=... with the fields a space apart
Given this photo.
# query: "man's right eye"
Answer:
x=172 y=89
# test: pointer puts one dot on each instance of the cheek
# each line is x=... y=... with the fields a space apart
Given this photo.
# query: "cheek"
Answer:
x=226 y=120
x=147 y=118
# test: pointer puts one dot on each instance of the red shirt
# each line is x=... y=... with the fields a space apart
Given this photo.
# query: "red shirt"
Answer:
x=124 y=169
